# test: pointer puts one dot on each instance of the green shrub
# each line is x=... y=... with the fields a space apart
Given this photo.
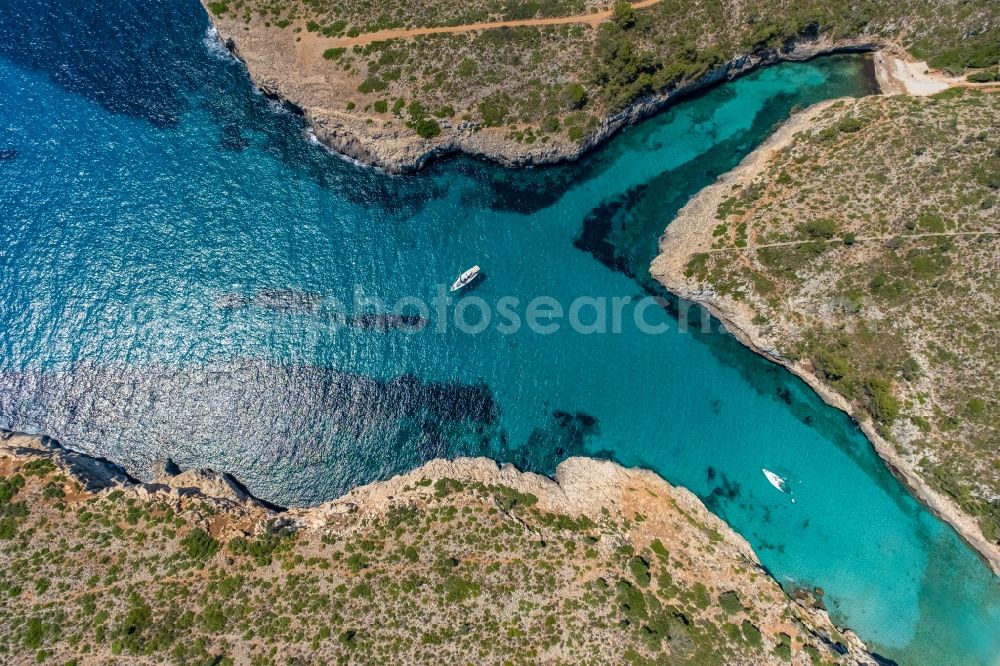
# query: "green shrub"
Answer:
x=640 y=571
x=38 y=467
x=631 y=602
x=380 y=106
x=218 y=8
x=427 y=128
x=984 y=76
x=467 y=68
x=849 y=125
x=213 y=618
x=832 y=366
x=34 y=633
x=457 y=590
x=931 y=223
x=982 y=50
x=700 y=595
x=574 y=95
x=362 y=591
x=623 y=14
x=819 y=228
x=372 y=84
x=883 y=405
x=911 y=369
x=10 y=487
x=751 y=634
x=494 y=111
x=53 y=490
x=130 y=634
x=356 y=562
x=333 y=54
x=730 y=603
x=659 y=549
x=783 y=650
x=263 y=547
x=199 y=544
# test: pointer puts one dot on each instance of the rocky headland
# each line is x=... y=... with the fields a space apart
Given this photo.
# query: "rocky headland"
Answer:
x=458 y=559
x=395 y=148
x=538 y=85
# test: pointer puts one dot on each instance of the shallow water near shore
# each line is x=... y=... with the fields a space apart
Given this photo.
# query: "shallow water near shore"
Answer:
x=172 y=244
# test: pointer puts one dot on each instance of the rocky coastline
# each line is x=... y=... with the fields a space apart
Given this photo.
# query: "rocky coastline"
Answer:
x=399 y=151
x=691 y=232
x=610 y=509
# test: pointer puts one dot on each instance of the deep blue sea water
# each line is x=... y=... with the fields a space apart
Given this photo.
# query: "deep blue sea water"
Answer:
x=173 y=246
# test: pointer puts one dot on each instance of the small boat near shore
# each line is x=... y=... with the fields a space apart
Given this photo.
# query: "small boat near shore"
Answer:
x=466 y=278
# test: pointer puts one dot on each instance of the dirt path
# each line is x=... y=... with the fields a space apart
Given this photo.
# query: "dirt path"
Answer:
x=592 y=20
x=859 y=239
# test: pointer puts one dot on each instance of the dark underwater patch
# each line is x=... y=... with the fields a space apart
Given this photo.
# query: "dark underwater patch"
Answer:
x=563 y=436
x=724 y=491
x=8 y=154
x=131 y=58
x=278 y=300
x=603 y=230
x=232 y=139
x=255 y=420
x=771 y=380
x=623 y=232
x=524 y=190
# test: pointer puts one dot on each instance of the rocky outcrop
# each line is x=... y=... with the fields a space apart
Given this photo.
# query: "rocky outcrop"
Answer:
x=93 y=474
x=97 y=474
x=205 y=482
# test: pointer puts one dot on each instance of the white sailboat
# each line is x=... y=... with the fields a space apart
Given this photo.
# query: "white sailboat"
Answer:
x=465 y=278
x=775 y=480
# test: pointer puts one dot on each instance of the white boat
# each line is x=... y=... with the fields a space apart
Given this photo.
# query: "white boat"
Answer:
x=465 y=278
x=775 y=480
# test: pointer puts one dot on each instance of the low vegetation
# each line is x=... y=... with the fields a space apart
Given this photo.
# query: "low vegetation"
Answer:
x=556 y=83
x=868 y=249
x=447 y=570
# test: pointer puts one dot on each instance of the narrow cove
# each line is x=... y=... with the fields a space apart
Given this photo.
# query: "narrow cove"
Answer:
x=114 y=273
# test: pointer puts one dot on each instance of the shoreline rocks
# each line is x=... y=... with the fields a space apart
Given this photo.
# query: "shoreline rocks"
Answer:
x=399 y=150
x=626 y=508
x=691 y=232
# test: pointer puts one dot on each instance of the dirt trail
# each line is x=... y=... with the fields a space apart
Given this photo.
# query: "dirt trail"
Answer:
x=859 y=239
x=592 y=20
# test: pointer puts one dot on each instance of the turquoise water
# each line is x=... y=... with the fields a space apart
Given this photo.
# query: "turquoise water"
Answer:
x=172 y=247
